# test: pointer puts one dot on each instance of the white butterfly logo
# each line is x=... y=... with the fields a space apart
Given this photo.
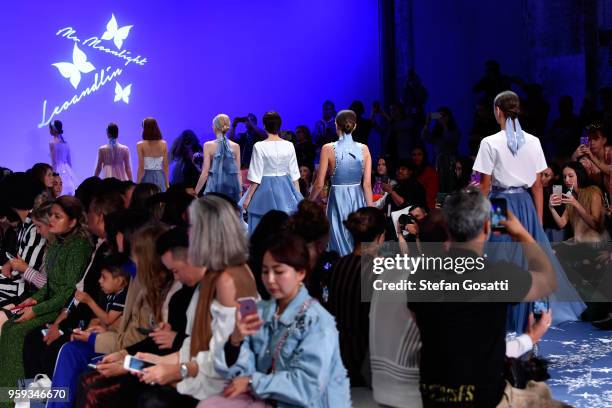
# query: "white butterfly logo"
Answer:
x=122 y=94
x=73 y=70
x=113 y=32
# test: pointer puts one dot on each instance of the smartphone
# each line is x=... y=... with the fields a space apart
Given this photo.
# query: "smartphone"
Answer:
x=584 y=140
x=144 y=331
x=90 y=365
x=557 y=190
x=136 y=365
x=539 y=307
x=46 y=331
x=9 y=255
x=247 y=306
x=499 y=212
x=436 y=115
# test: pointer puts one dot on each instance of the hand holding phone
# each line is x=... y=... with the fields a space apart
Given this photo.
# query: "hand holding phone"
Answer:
x=499 y=212
x=584 y=140
x=136 y=365
x=247 y=307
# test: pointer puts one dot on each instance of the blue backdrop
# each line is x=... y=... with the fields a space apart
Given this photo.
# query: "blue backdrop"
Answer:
x=181 y=62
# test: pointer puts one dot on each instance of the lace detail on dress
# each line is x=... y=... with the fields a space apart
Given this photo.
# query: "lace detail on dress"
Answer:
x=153 y=163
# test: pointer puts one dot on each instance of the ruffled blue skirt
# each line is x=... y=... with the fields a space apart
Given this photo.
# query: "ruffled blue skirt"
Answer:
x=343 y=200
x=156 y=177
x=521 y=204
x=274 y=193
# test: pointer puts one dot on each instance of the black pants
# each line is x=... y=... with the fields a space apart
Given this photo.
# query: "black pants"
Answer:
x=38 y=358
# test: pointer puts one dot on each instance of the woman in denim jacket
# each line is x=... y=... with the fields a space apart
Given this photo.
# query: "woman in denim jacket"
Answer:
x=287 y=353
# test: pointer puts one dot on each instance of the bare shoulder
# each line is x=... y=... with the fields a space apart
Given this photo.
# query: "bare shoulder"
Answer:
x=226 y=290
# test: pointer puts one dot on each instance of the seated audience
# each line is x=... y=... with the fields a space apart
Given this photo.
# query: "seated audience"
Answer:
x=407 y=191
x=426 y=175
x=65 y=263
x=287 y=352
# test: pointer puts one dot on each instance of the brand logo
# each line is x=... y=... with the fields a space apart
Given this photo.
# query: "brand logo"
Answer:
x=76 y=71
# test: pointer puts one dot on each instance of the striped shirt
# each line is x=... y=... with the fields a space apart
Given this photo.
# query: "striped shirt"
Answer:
x=37 y=278
x=30 y=244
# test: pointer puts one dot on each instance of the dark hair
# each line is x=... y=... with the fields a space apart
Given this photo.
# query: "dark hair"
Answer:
x=126 y=222
x=39 y=170
x=346 y=121
x=57 y=127
x=187 y=139
x=509 y=103
x=595 y=127
x=358 y=108
x=306 y=131
x=309 y=222
x=366 y=224
x=125 y=186
x=172 y=239
x=273 y=223
x=272 y=122
x=112 y=130
x=581 y=174
x=106 y=202
x=73 y=208
x=115 y=264
x=150 y=130
x=433 y=227
x=466 y=171
x=290 y=249
x=141 y=194
x=176 y=204
x=86 y=190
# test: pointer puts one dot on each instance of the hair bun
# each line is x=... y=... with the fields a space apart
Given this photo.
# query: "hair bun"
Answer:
x=225 y=128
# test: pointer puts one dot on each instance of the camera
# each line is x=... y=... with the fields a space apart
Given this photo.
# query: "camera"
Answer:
x=407 y=219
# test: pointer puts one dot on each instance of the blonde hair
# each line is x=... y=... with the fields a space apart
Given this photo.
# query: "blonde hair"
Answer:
x=221 y=123
x=217 y=239
x=153 y=275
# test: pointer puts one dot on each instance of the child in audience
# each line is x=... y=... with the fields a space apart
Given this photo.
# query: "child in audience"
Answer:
x=113 y=282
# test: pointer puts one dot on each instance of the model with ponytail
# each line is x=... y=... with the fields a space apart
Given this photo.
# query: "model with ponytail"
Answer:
x=510 y=162
x=221 y=168
x=351 y=168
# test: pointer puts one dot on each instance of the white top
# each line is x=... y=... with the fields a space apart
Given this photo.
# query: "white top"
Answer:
x=494 y=158
x=153 y=163
x=207 y=382
x=273 y=158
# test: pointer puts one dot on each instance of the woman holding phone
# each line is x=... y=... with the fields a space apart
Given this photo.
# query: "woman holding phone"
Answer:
x=510 y=162
x=218 y=245
x=288 y=352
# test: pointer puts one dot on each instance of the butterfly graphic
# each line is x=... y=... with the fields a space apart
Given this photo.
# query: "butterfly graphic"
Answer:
x=73 y=70
x=113 y=32
x=122 y=94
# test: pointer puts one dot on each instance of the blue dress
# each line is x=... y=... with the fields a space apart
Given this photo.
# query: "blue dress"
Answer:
x=223 y=173
x=274 y=167
x=153 y=172
x=346 y=193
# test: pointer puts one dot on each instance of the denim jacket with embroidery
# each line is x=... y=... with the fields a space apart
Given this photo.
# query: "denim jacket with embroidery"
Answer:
x=308 y=368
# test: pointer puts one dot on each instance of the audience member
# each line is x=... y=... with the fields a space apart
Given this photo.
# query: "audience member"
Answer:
x=246 y=140
x=565 y=130
x=183 y=153
x=310 y=371
x=367 y=226
x=599 y=155
x=305 y=149
x=325 y=128
x=427 y=175
x=444 y=138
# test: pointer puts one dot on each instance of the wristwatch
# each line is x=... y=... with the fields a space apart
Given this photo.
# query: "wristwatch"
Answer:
x=184 y=370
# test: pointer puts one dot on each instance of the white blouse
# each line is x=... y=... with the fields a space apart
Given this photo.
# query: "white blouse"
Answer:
x=273 y=158
x=207 y=382
x=494 y=158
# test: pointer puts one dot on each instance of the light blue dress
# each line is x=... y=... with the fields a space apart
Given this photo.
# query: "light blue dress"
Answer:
x=274 y=167
x=308 y=367
x=223 y=173
x=153 y=172
x=346 y=193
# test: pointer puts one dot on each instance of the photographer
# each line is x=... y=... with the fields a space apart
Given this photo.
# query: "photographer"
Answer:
x=468 y=369
x=247 y=139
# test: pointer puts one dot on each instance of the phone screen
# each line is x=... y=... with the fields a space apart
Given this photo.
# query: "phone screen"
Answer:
x=499 y=212
x=139 y=365
x=247 y=306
